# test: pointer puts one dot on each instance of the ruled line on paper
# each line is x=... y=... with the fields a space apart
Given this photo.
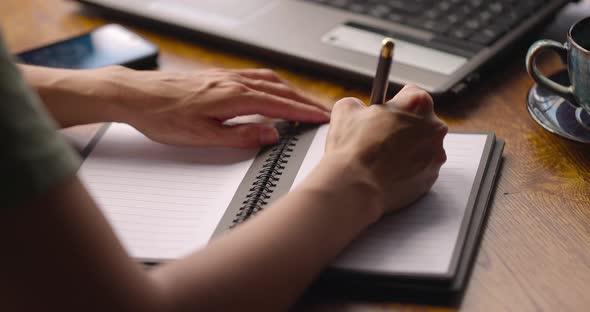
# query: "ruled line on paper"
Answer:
x=144 y=193
x=158 y=187
x=162 y=201
x=176 y=180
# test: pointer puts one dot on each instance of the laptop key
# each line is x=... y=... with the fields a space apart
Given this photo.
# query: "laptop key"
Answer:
x=434 y=26
x=476 y=3
x=486 y=36
x=464 y=9
x=496 y=7
x=460 y=33
x=433 y=13
x=472 y=24
x=445 y=5
x=453 y=18
x=485 y=16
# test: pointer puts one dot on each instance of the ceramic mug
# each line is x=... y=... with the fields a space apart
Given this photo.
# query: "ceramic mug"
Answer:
x=576 y=50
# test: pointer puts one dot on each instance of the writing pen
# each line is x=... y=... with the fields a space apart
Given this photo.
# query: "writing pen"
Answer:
x=381 y=81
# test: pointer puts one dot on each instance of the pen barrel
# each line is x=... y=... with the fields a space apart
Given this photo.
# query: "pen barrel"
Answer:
x=379 y=91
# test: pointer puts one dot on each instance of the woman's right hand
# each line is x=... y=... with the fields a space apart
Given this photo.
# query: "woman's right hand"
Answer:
x=399 y=143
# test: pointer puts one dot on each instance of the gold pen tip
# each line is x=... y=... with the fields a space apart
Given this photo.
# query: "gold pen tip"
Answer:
x=387 y=47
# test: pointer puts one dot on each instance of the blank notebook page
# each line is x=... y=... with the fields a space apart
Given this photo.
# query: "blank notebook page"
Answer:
x=419 y=239
x=162 y=201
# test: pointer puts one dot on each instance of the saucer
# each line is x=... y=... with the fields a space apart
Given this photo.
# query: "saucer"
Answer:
x=556 y=114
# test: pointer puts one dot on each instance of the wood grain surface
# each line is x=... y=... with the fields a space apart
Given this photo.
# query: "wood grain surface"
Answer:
x=535 y=251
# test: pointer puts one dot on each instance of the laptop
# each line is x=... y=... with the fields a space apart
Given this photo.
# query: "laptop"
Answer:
x=440 y=44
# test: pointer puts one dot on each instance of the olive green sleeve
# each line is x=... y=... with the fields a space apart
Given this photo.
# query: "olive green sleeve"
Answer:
x=33 y=156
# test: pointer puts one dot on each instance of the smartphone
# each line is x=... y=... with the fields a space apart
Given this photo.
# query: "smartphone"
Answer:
x=107 y=45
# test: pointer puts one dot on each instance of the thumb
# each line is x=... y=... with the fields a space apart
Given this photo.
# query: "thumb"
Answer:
x=414 y=100
x=247 y=135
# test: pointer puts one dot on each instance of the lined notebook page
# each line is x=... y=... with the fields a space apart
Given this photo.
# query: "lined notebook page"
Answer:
x=162 y=201
x=419 y=239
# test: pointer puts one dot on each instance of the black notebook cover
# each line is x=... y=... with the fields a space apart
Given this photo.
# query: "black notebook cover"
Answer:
x=272 y=174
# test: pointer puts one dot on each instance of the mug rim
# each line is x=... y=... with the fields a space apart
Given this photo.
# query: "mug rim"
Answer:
x=571 y=39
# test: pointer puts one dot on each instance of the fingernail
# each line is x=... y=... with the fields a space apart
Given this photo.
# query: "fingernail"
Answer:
x=268 y=136
x=409 y=85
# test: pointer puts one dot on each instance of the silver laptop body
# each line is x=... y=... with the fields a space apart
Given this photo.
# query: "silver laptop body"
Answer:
x=327 y=38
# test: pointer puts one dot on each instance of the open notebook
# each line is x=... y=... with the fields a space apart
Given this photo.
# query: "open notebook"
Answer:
x=164 y=202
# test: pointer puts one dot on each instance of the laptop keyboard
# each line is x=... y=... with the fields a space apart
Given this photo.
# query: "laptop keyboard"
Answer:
x=466 y=22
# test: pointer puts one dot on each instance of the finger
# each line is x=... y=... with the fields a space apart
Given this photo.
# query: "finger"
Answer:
x=283 y=90
x=247 y=135
x=260 y=74
x=413 y=100
x=439 y=138
x=347 y=105
x=442 y=129
x=256 y=102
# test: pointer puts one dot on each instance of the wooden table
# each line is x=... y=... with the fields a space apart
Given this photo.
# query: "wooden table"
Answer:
x=535 y=252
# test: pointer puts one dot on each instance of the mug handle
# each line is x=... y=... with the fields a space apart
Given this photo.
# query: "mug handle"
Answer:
x=531 y=67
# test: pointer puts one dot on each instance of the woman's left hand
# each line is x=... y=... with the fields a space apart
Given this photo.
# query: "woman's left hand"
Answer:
x=190 y=108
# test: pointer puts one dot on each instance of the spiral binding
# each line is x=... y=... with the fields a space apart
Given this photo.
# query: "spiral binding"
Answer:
x=267 y=177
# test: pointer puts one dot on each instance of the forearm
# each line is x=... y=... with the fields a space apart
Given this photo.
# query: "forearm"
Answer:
x=179 y=108
x=267 y=262
x=75 y=97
